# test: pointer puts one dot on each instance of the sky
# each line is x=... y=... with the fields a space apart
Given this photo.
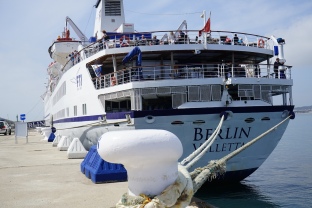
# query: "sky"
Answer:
x=28 y=29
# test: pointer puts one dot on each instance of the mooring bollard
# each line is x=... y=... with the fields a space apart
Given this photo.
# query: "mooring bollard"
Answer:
x=149 y=156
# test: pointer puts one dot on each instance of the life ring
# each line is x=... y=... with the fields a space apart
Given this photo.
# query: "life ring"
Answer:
x=261 y=43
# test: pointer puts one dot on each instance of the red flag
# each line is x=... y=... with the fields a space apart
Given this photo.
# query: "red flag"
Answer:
x=206 y=28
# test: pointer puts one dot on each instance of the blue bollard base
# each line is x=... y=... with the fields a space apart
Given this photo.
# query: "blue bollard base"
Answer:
x=101 y=171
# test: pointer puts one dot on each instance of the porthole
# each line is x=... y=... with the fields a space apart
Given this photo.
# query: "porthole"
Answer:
x=265 y=119
x=177 y=122
x=198 y=122
x=149 y=119
x=249 y=120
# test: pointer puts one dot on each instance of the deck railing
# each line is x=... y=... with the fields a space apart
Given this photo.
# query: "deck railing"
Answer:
x=191 y=37
x=165 y=72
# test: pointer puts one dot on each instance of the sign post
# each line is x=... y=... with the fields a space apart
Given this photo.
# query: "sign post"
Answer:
x=23 y=117
x=21 y=130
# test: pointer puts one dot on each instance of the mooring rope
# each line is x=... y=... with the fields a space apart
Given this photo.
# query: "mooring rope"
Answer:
x=201 y=175
x=197 y=154
x=179 y=194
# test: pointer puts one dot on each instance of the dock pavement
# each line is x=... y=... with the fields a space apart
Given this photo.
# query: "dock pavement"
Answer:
x=35 y=174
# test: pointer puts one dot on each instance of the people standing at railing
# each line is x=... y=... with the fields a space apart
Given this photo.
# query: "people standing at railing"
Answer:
x=105 y=38
x=171 y=38
x=175 y=74
x=181 y=37
x=235 y=39
x=124 y=41
x=72 y=58
x=277 y=63
x=113 y=80
x=155 y=41
x=102 y=39
x=76 y=57
x=241 y=42
x=228 y=41
x=143 y=40
x=227 y=71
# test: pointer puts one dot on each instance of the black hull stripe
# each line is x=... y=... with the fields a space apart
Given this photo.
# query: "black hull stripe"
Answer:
x=178 y=112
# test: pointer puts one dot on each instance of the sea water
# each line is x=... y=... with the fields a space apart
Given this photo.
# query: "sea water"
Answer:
x=283 y=180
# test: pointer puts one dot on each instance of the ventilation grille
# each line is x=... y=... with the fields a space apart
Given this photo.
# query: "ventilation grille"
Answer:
x=193 y=93
x=216 y=92
x=205 y=93
x=164 y=90
x=178 y=99
x=112 y=8
x=178 y=89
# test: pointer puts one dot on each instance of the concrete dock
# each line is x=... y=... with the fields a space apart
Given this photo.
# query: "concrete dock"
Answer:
x=35 y=174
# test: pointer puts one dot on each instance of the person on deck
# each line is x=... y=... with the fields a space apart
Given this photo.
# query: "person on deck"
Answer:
x=155 y=41
x=143 y=40
x=235 y=39
x=171 y=38
x=277 y=63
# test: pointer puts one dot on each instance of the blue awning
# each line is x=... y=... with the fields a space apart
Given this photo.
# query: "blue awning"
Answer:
x=135 y=52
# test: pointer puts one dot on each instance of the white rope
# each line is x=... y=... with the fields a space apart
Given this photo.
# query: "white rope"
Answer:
x=177 y=195
x=234 y=153
x=200 y=175
x=202 y=149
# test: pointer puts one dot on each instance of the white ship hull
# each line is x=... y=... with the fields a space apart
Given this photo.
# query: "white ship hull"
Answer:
x=182 y=88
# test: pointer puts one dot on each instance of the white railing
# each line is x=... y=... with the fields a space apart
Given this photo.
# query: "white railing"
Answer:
x=153 y=73
x=191 y=37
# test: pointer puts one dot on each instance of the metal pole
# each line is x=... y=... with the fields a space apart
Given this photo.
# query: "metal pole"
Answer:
x=205 y=34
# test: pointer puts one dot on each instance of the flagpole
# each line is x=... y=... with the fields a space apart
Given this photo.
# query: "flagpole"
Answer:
x=205 y=34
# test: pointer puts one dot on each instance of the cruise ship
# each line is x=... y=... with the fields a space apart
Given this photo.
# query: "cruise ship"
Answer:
x=181 y=80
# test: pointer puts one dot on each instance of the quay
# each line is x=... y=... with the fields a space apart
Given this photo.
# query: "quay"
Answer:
x=35 y=174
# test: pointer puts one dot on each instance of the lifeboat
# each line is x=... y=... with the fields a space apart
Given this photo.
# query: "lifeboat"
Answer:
x=54 y=69
x=62 y=47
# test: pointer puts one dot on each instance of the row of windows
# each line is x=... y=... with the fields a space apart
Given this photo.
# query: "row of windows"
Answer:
x=60 y=93
x=61 y=114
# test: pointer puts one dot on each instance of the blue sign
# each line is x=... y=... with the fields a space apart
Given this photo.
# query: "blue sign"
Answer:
x=23 y=117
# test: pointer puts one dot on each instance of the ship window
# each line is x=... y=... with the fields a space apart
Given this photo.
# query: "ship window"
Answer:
x=67 y=112
x=160 y=103
x=84 y=109
x=117 y=106
x=75 y=110
x=265 y=119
